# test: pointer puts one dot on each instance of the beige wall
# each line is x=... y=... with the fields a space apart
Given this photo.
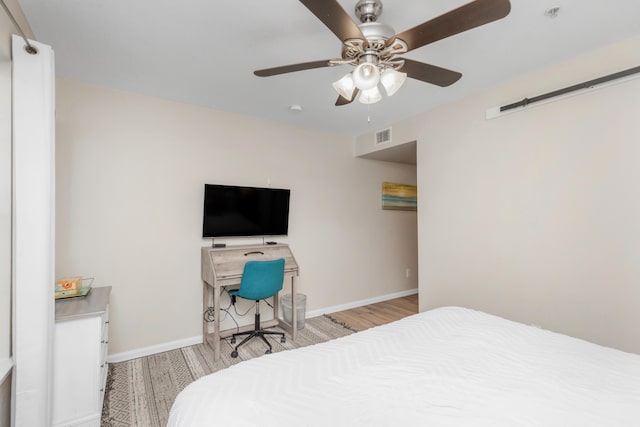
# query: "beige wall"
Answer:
x=130 y=175
x=534 y=215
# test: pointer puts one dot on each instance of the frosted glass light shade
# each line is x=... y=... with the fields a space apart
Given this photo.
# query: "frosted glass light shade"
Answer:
x=370 y=96
x=392 y=80
x=366 y=76
x=345 y=86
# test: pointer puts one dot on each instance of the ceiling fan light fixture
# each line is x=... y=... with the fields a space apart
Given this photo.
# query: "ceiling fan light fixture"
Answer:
x=392 y=80
x=366 y=76
x=345 y=86
x=370 y=96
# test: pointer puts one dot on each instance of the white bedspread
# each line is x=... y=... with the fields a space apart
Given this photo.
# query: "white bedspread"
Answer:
x=445 y=367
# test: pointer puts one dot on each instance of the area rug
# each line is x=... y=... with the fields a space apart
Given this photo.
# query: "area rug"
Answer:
x=140 y=392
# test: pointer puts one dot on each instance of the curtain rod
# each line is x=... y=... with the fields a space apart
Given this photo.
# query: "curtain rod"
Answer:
x=583 y=85
x=29 y=47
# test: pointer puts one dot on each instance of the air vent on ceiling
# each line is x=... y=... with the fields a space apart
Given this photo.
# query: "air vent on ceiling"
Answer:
x=383 y=136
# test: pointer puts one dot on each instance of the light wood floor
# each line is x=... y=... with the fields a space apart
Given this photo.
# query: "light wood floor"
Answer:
x=368 y=316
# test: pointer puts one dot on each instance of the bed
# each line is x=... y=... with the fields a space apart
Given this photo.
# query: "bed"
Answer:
x=445 y=367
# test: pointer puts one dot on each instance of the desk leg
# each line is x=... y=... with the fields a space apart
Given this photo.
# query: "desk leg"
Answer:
x=205 y=307
x=210 y=293
x=276 y=305
x=216 y=324
x=294 y=310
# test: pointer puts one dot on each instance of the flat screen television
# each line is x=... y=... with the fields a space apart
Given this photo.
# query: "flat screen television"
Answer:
x=231 y=211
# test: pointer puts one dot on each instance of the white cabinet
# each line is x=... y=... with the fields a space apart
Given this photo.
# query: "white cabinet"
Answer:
x=80 y=358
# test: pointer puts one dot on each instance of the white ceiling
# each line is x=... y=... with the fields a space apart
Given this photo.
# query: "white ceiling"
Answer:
x=203 y=52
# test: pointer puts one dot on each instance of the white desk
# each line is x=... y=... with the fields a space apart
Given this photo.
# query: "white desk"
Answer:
x=224 y=267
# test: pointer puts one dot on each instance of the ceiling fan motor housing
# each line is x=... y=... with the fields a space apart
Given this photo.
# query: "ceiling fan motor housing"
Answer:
x=375 y=33
x=368 y=10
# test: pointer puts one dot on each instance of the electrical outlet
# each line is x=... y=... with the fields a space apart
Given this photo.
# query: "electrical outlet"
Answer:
x=407 y=273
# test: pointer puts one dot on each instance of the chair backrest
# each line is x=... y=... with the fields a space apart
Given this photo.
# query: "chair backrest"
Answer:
x=261 y=279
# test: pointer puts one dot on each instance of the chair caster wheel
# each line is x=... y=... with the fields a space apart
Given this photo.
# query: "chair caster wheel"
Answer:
x=234 y=354
x=268 y=351
x=283 y=340
x=232 y=340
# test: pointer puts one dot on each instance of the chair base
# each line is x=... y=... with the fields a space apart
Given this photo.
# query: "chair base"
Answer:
x=257 y=332
x=252 y=334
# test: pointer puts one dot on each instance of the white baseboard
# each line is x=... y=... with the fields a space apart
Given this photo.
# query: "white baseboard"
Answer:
x=159 y=348
x=154 y=349
x=350 y=305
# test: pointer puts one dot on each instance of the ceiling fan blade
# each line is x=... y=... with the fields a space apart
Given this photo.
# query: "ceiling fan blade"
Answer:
x=471 y=15
x=429 y=73
x=335 y=18
x=344 y=101
x=293 y=67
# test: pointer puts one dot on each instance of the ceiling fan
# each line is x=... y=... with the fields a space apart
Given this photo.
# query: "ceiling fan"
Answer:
x=372 y=47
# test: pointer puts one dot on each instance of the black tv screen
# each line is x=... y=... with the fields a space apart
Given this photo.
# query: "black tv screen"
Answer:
x=231 y=211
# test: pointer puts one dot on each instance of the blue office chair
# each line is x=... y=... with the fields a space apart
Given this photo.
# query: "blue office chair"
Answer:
x=260 y=280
